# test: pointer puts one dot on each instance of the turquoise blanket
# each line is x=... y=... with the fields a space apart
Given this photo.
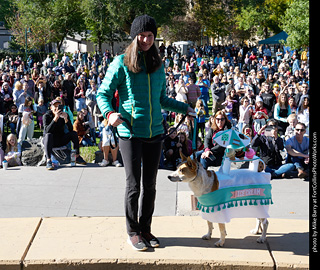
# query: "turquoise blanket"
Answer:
x=235 y=197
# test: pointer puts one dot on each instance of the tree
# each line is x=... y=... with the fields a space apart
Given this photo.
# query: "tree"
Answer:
x=296 y=24
x=5 y=9
x=58 y=18
x=37 y=33
x=99 y=23
x=123 y=12
x=261 y=17
x=215 y=16
x=183 y=28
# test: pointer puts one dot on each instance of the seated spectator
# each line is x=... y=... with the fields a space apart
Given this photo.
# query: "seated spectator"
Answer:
x=228 y=106
x=1 y=149
x=281 y=112
x=105 y=142
x=303 y=112
x=292 y=121
x=13 y=151
x=27 y=123
x=213 y=153
x=41 y=110
x=245 y=111
x=185 y=127
x=91 y=100
x=82 y=130
x=270 y=146
x=292 y=104
x=186 y=144
x=54 y=122
x=181 y=91
x=79 y=94
x=200 y=145
x=269 y=99
x=11 y=118
x=298 y=150
x=6 y=93
x=66 y=109
x=260 y=115
x=171 y=149
x=89 y=123
x=20 y=93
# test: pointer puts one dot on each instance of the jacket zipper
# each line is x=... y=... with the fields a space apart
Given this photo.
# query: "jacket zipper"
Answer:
x=149 y=84
x=132 y=111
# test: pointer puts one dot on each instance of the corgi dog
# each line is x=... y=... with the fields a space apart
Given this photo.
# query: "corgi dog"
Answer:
x=203 y=181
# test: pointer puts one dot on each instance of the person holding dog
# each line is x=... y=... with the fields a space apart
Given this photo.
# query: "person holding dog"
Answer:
x=213 y=153
x=139 y=77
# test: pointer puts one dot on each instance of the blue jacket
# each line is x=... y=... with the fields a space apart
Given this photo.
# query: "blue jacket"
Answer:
x=141 y=97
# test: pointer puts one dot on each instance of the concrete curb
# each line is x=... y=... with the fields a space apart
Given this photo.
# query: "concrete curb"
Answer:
x=100 y=243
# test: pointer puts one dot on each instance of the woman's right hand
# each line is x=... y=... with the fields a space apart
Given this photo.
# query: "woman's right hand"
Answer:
x=206 y=154
x=114 y=119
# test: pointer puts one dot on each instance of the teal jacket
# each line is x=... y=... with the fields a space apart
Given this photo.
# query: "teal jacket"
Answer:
x=141 y=97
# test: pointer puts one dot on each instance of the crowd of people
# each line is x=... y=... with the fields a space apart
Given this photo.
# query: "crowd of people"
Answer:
x=249 y=90
x=262 y=96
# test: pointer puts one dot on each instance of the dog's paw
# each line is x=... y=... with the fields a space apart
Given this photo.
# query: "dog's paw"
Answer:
x=206 y=237
x=220 y=243
x=261 y=240
x=254 y=231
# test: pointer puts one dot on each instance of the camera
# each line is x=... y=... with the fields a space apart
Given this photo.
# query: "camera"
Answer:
x=269 y=131
x=60 y=107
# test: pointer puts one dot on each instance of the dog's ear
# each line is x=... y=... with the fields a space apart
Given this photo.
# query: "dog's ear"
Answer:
x=191 y=163
x=194 y=157
x=183 y=157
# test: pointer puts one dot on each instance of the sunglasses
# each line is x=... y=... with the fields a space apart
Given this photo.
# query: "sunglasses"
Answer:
x=220 y=119
x=298 y=129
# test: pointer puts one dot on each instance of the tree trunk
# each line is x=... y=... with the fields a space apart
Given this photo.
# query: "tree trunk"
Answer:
x=111 y=44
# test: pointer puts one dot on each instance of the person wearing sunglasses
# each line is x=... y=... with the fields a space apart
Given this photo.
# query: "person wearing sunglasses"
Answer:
x=298 y=150
x=270 y=145
x=213 y=153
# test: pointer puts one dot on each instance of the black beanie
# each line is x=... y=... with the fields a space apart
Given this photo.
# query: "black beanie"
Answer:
x=141 y=24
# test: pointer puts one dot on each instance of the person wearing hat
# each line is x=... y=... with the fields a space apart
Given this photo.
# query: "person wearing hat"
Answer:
x=139 y=77
x=54 y=123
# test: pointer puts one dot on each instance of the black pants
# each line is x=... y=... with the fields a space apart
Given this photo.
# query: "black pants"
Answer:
x=134 y=151
x=50 y=141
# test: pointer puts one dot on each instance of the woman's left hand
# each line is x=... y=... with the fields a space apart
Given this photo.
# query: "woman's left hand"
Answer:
x=114 y=119
x=190 y=110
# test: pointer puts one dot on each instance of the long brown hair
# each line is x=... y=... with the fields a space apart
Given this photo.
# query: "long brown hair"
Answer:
x=226 y=123
x=132 y=58
x=286 y=103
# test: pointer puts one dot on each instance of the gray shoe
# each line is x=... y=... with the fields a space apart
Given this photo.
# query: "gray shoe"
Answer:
x=151 y=239
x=137 y=243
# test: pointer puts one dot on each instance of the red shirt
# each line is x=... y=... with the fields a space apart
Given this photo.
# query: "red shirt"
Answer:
x=260 y=110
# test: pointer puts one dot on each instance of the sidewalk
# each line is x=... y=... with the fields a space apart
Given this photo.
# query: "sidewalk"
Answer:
x=85 y=228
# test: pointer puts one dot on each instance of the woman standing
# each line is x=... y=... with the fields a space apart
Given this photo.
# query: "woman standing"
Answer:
x=139 y=76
